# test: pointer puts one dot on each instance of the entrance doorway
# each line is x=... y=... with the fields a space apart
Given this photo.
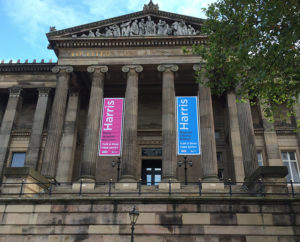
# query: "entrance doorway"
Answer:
x=151 y=172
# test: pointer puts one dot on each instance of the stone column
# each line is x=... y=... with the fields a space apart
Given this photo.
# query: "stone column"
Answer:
x=56 y=121
x=129 y=150
x=271 y=142
x=169 y=159
x=69 y=139
x=297 y=111
x=247 y=137
x=13 y=108
x=33 y=152
x=235 y=137
x=209 y=162
x=91 y=136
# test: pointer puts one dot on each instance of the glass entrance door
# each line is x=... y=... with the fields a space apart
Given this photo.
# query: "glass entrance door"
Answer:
x=151 y=172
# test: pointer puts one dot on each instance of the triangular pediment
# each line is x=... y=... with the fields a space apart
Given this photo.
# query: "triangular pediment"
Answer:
x=149 y=22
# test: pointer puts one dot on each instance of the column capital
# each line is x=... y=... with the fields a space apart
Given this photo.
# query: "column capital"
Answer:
x=67 y=69
x=137 y=68
x=92 y=69
x=44 y=91
x=198 y=67
x=15 y=91
x=168 y=68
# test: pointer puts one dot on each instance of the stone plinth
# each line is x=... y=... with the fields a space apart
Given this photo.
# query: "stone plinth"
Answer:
x=166 y=186
x=85 y=183
x=212 y=186
x=32 y=181
x=272 y=179
x=126 y=186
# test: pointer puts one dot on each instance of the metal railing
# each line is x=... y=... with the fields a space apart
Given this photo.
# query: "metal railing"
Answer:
x=170 y=188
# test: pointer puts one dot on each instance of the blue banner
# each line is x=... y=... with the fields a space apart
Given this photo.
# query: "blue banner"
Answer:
x=188 y=138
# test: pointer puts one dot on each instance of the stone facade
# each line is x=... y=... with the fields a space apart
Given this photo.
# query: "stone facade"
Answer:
x=50 y=114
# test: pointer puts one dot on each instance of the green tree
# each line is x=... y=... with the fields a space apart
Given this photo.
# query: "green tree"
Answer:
x=254 y=45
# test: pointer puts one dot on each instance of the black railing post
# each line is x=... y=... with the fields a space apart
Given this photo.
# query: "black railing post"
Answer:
x=200 y=187
x=21 y=190
x=109 y=187
x=262 y=187
x=50 y=189
x=230 y=187
x=80 y=188
x=170 y=189
x=292 y=187
x=140 y=186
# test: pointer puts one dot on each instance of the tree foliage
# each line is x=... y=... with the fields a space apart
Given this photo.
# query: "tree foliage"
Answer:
x=253 y=45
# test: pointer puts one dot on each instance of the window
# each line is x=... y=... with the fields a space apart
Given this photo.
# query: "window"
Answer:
x=18 y=159
x=290 y=161
x=260 y=158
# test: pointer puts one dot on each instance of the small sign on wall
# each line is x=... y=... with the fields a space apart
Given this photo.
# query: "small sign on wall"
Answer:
x=112 y=126
x=188 y=137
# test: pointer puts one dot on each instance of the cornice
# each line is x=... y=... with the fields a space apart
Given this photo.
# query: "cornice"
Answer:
x=26 y=67
x=105 y=42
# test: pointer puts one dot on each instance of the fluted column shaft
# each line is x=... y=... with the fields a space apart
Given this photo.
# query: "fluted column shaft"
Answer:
x=129 y=150
x=235 y=137
x=169 y=159
x=271 y=142
x=35 y=141
x=209 y=162
x=13 y=107
x=297 y=111
x=247 y=137
x=91 y=136
x=56 y=121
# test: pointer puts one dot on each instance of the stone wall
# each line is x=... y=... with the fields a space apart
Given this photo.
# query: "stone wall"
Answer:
x=161 y=219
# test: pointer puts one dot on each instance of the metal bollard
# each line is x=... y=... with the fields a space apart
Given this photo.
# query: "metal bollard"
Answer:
x=170 y=189
x=21 y=190
x=200 y=186
x=109 y=187
x=230 y=187
x=292 y=187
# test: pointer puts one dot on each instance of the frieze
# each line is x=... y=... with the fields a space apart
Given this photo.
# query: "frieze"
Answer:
x=142 y=27
x=26 y=68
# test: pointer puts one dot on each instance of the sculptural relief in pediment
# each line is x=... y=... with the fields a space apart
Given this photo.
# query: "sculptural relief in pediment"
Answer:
x=147 y=26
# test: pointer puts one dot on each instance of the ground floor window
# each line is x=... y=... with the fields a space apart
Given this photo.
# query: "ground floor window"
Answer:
x=290 y=161
x=18 y=159
x=260 y=158
x=151 y=172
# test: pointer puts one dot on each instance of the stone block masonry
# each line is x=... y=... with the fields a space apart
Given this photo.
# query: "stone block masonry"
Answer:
x=191 y=219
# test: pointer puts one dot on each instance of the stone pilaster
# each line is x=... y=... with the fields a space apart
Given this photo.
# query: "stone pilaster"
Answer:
x=2 y=109
x=235 y=137
x=169 y=160
x=69 y=139
x=209 y=162
x=91 y=136
x=56 y=121
x=33 y=152
x=247 y=137
x=271 y=142
x=13 y=108
x=129 y=150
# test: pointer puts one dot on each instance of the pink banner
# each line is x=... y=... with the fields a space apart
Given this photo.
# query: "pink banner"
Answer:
x=111 y=130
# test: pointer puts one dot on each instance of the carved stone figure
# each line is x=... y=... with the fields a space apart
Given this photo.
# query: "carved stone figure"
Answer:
x=83 y=35
x=162 y=27
x=91 y=34
x=108 y=32
x=175 y=28
x=98 y=34
x=125 y=28
x=150 y=27
x=191 y=30
x=134 y=30
x=116 y=30
x=142 y=27
x=183 y=28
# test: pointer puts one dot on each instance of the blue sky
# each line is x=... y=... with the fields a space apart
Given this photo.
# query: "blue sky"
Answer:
x=24 y=23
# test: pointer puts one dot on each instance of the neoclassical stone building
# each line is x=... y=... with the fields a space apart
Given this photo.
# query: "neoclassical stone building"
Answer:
x=50 y=116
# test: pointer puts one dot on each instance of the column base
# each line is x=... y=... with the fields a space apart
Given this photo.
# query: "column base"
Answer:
x=86 y=183
x=212 y=183
x=33 y=181
x=272 y=178
x=165 y=185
